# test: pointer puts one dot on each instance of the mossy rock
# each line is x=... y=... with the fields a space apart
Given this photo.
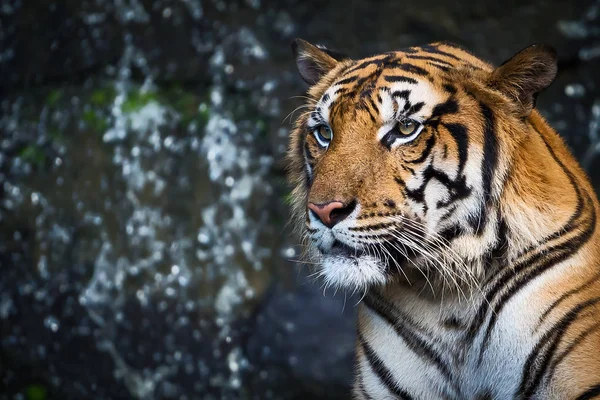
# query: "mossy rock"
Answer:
x=103 y=96
x=136 y=100
x=33 y=154
x=36 y=392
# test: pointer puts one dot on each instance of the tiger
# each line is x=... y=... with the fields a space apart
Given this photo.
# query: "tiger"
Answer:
x=425 y=181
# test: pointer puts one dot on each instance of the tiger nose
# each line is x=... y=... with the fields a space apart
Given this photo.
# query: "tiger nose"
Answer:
x=333 y=212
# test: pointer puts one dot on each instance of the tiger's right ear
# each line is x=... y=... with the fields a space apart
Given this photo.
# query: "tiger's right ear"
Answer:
x=526 y=74
x=314 y=62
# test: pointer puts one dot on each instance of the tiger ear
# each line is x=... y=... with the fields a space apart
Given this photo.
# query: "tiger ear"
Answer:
x=314 y=61
x=526 y=74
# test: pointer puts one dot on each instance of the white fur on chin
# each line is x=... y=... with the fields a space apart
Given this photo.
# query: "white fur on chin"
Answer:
x=352 y=273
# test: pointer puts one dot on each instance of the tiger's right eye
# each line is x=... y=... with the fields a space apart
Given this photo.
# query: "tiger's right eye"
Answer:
x=323 y=134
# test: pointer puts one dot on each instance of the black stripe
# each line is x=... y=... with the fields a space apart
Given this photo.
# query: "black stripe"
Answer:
x=533 y=371
x=458 y=188
x=416 y=195
x=449 y=107
x=452 y=232
x=428 y=147
x=537 y=362
x=571 y=292
x=339 y=91
x=556 y=255
x=408 y=169
x=399 y=78
x=307 y=153
x=372 y=110
x=308 y=166
x=428 y=58
x=486 y=395
x=448 y=212
x=388 y=139
x=435 y=50
x=477 y=220
x=373 y=119
x=410 y=50
x=373 y=227
x=361 y=81
x=403 y=94
x=438 y=66
x=449 y=88
x=415 y=108
x=490 y=150
x=459 y=133
x=316 y=115
x=413 y=69
x=349 y=79
x=499 y=250
x=325 y=98
x=373 y=105
x=488 y=164
x=453 y=322
x=402 y=184
x=384 y=374
x=367 y=63
x=409 y=331
x=572 y=345
x=591 y=393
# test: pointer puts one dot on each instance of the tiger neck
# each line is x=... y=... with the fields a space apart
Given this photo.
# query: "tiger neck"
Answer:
x=546 y=197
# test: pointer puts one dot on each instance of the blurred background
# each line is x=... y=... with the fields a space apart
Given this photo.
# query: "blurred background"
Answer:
x=144 y=252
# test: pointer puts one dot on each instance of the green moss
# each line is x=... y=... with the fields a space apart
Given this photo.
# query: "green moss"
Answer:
x=36 y=392
x=187 y=105
x=53 y=97
x=33 y=155
x=56 y=135
x=203 y=114
x=94 y=121
x=136 y=100
x=102 y=97
x=261 y=127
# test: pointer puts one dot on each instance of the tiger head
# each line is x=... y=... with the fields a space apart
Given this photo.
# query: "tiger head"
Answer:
x=399 y=160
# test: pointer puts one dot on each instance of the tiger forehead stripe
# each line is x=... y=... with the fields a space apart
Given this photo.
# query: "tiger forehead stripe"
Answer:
x=323 y=107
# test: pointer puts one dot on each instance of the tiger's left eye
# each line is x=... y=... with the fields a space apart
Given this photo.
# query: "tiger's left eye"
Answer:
x=323 y=134
x=407 y=127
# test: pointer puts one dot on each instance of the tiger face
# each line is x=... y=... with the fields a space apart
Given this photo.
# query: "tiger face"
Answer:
x=400 y=160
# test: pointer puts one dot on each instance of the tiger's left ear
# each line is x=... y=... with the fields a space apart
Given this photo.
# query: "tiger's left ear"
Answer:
x=314 y=61
x=526 y=74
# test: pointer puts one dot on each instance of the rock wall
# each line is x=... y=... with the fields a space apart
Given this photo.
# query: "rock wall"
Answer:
x=144 y=251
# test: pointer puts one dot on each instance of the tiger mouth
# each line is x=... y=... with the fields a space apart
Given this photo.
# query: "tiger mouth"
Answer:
x=343 y=250
x=390 y=256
